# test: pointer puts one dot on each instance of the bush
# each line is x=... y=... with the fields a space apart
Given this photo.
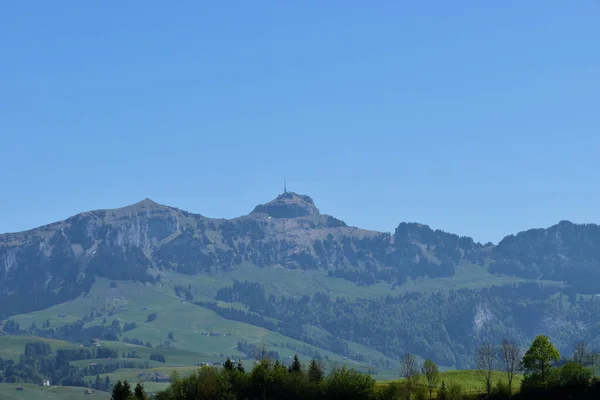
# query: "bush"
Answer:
x=455 y=391
x=421 y=393
x=388 y=392
x=151 y=317
x=157 y=357
x=204 y=383
x=500 y=390
x=346 y=383
x=129 y=326
x=575 y=375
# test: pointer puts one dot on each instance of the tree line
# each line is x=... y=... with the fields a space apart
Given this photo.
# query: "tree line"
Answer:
x=544 y=378
x=546 y=375
x=272 y=379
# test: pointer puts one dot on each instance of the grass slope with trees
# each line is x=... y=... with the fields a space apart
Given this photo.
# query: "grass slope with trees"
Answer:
x=270 y=379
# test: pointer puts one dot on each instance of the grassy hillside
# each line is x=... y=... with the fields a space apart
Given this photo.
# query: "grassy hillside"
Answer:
x=192 y=325
x=11 y=347
x=133 y=302
x=8 y=391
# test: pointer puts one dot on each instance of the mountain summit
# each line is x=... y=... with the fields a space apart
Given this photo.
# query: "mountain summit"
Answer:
x=288 y=205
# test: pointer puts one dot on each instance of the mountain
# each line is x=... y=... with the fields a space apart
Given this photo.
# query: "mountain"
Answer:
x=59 y=262
x=564 y=252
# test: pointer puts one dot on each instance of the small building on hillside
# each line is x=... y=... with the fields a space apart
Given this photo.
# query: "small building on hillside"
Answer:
x=162 y=378
x=45 y=382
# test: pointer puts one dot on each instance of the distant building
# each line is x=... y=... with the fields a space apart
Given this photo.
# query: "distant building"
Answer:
x=162 y=378
x=45 y=383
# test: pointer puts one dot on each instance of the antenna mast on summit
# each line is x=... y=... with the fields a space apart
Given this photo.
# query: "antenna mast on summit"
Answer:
x=284 y=185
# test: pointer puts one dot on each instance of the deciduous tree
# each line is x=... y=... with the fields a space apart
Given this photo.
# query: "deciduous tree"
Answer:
x=344 y=383
x=410 y=372
x=540 y=357
x=581 y=353
x=432 y=375
x=594 y=360
x=510 y=355
x=485 y=361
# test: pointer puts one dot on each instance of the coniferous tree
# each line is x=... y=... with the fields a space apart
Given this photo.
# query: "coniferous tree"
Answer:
x=228 y=365
x=139 y=393
x=443 y=393
x=240 y=366
x=315 y=371
x=121 y=391
x=296 y=365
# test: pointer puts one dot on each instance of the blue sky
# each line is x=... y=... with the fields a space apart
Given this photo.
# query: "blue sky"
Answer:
x=479 y=118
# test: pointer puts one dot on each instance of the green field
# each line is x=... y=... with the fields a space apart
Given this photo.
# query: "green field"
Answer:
x=8 y=391
x=468 y=380
x=11 y=347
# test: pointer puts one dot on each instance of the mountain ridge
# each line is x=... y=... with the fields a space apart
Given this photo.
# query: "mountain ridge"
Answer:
x=140 y=240
x=148 y=203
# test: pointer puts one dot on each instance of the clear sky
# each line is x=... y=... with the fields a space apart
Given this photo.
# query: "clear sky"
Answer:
x=476 y=117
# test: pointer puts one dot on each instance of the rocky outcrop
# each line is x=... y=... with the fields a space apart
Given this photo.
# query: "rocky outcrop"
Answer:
x=288 y=205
